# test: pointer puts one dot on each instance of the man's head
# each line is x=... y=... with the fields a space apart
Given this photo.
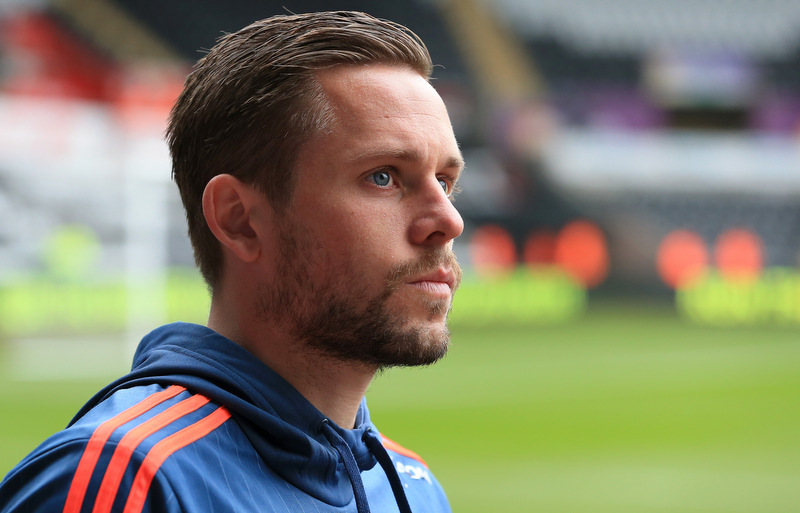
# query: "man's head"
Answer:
x=322 y=215
x=254 y=100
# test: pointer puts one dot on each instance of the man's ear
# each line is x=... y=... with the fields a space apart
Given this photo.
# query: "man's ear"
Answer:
x=231 y=209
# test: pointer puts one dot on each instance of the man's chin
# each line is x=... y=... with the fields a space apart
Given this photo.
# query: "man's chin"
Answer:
x=422 y=344
x=399 y=330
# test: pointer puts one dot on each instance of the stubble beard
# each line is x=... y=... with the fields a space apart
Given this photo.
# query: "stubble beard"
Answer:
x=330 y=319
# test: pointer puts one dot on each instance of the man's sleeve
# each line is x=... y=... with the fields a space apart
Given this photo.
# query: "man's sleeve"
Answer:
x=41 y=481
x=45 y=482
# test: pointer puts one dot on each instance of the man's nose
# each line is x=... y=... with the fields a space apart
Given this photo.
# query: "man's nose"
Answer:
x=437 y=221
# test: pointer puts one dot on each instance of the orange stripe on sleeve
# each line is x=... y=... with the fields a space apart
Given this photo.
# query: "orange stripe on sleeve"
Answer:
x=163 y=450
x=399 y=449
x=83 y=474
x=122 y=454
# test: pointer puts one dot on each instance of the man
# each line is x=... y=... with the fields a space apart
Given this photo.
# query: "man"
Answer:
x=316 y=165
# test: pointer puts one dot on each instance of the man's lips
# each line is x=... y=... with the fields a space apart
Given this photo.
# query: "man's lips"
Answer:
x=442 y=281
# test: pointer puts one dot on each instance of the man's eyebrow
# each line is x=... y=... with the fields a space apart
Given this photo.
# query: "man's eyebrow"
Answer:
x=455 y=161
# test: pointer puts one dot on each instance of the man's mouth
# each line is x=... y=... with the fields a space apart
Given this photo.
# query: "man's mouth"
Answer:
x=442 y=281
x=437 y=273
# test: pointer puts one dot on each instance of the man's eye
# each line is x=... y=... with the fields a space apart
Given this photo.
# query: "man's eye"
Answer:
x=445 y=186
x=381 y=178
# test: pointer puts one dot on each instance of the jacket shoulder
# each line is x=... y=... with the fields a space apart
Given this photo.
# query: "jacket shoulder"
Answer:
x=421 y=486
x=392 y=446
x=108 y=459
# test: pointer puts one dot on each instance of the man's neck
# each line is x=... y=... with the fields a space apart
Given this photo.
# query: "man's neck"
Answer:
x=335 y=387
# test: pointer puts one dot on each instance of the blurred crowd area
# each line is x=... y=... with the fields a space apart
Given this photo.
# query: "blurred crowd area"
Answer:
x=641 y=148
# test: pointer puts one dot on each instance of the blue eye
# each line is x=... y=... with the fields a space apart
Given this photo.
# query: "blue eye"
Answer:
x=381 y=178
x=445 y=185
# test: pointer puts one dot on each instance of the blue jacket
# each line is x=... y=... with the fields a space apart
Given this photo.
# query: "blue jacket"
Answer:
x=201 y=425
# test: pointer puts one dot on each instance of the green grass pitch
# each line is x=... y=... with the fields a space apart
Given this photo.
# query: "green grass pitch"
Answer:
x=626 y=410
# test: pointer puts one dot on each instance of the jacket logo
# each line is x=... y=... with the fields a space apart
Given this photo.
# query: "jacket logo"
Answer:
x=413 y=471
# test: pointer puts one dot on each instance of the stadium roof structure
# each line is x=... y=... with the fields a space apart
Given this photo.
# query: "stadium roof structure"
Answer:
x=757 y=28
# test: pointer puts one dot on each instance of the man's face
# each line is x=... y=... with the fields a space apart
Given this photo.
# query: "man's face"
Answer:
x=366 y=272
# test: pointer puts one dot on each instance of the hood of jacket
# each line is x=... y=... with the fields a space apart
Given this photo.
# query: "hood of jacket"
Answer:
x=286 y=430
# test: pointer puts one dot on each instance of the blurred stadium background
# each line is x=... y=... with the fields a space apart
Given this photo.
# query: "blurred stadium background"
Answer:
x=625 y=336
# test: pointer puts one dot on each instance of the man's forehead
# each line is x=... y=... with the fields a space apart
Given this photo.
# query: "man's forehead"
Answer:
x=388 y=112
x=356 y=87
